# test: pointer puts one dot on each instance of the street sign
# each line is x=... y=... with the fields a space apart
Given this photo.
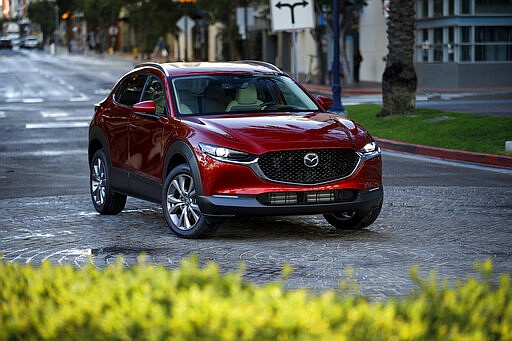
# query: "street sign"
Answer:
x=244 y=17
x=185 y=23
x=291 y=15
x=113 y=30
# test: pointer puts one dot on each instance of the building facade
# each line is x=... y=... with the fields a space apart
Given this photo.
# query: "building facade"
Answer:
x=12 y=9
x=459 y=43
x=469 y=42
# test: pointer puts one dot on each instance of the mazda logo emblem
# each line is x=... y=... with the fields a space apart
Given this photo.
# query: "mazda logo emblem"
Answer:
x=311 y=160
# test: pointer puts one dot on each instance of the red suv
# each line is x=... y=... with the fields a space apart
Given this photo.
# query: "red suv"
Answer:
x=213 y=140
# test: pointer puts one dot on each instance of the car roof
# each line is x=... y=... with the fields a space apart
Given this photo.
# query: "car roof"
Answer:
x=194 y=68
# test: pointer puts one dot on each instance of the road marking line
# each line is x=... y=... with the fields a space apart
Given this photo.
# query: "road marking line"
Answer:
x=48 y=114
x=56 y=125
x=44 y=153
x=29 y=259
x=2 y=114
x=102 y=91
x=70 y=252
x=80 y=98
x=73 y=118
x=40 y=141
x=35 y=235
x=32 y=100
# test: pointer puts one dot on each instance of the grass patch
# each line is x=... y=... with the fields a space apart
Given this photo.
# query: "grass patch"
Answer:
x=471 y=132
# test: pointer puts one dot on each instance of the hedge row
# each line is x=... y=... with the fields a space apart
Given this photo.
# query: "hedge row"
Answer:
x=148 y=302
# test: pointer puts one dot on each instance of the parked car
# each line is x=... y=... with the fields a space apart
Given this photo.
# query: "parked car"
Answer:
x=216 y=140
x=5 y=43
x=29 y=42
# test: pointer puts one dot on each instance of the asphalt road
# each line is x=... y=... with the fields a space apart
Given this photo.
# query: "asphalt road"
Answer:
x=440 y=215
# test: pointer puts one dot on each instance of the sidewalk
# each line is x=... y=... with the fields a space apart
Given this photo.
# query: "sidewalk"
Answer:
x=373 y=88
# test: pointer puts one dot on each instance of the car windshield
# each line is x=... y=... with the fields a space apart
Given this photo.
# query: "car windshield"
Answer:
x=235 y=93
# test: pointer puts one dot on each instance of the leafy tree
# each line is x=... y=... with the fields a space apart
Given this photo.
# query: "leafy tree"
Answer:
x=399 y=81
x=100 y=15
x=150 y=20
x=224 y=11
x=43 y=13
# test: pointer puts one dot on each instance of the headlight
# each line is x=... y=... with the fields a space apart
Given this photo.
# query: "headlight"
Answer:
x=369 y=151
x=226 y=154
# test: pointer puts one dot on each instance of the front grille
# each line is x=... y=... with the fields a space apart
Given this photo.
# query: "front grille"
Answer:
x=289 y=166
x=307 y=198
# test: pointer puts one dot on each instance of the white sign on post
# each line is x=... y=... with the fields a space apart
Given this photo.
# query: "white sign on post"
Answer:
x=185 y=23
x=291 y=15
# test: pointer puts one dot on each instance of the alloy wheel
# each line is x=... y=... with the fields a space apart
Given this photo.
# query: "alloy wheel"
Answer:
x=98 y=182
x=181 y=202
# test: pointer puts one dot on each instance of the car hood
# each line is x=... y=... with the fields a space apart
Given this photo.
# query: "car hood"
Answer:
x=260 y=133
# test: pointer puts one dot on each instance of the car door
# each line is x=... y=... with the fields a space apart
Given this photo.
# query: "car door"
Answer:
x=145 y=144
x=118 y=115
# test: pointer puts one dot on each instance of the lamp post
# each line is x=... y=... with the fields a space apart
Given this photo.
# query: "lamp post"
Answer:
x=336 y=86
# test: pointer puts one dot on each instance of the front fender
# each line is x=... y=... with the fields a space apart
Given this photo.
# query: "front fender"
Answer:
x=177 y=152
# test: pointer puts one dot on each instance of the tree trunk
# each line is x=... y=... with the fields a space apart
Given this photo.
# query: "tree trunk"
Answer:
x=399 y=81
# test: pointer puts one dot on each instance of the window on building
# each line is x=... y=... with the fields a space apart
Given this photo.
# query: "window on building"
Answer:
x=493 y=43
x=465 y=34
x=438 y=8
x=465 y=53
x=465 y=7
x=438 y=44
x=425 y=8
x=451 y=7
x=422 y=9
x=465 y=48
x=425 y=45
x=493 y=6
x=450 y=46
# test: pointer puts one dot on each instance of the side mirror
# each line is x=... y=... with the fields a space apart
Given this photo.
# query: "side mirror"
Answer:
x=325 y=102
x=146 y=107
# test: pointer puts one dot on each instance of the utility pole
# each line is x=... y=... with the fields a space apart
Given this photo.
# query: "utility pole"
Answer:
x=336 y=86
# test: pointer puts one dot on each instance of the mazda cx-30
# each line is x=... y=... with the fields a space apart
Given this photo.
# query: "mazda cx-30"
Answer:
x=214 y=140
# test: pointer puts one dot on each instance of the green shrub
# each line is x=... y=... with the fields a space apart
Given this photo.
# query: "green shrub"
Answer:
x=148 y=302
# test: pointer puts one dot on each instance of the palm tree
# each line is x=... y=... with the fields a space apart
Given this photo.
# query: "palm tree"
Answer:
x=399 y=81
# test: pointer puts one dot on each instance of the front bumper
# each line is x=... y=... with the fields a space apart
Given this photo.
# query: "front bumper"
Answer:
x=251 y=205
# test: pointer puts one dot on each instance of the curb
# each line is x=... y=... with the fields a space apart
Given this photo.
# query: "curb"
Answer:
x=443 y=153
x=327 y=91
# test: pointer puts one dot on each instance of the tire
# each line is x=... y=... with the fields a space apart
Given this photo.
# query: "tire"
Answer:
x=353 y=220
x=179 y=205
x=104 y=198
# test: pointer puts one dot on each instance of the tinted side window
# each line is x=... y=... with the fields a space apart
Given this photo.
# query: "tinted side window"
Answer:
x=129 y=92
x=154 y=91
